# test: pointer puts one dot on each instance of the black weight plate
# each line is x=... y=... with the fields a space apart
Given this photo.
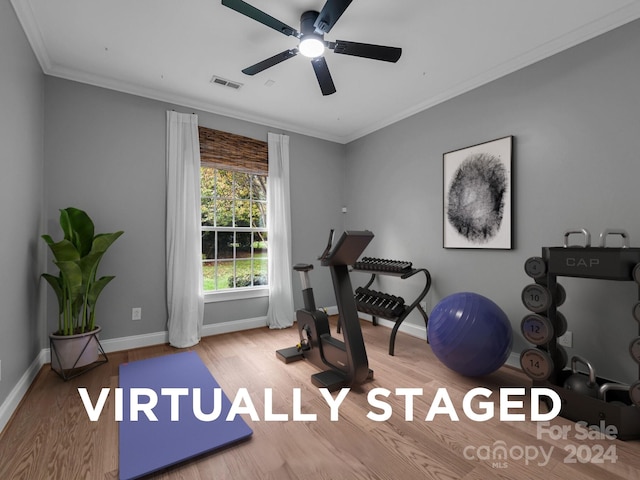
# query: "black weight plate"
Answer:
x=537 y=329
x=536 y=363
x=634 y=349
x=536 y=298
x=535 y=267
x=634 y=393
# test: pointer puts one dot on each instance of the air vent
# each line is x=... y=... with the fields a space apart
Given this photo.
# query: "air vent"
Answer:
x=225 y=83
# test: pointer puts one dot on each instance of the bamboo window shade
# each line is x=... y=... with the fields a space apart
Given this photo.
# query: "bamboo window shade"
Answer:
x=228 y=151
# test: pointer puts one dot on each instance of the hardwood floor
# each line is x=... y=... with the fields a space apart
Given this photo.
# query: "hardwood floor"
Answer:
x=51 y=437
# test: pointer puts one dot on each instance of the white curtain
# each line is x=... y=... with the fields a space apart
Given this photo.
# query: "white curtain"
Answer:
x=185 y=300
x=280 y=312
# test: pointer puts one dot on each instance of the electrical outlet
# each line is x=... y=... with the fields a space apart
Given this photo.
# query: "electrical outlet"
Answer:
x=136 y=313
x=426 y=303
x=566 y=340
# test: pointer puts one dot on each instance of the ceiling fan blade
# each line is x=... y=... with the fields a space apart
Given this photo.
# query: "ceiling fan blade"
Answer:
x=366 y=50
x=258 y=15
x=270 y=62
x=323 y=75
x=330 y=14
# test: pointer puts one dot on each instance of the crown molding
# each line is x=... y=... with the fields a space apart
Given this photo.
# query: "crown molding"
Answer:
x=24 y=12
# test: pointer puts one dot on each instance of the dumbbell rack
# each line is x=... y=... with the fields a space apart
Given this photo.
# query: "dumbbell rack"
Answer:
x=545 y=363
x=397 y=309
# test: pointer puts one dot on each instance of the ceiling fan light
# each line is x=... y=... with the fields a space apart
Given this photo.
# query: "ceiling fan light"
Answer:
x=311 y=46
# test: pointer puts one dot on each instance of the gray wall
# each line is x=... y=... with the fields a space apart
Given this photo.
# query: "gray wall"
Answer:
x=576 y=122
x=575 y=116
x=105 y=153
x=21 y=157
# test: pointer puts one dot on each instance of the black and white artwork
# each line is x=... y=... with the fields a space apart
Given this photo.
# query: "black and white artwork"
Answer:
x=477 y=196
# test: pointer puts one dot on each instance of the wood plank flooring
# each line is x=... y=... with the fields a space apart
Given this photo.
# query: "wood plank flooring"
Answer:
x=51 y=437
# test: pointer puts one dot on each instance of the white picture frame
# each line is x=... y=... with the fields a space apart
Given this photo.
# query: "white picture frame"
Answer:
x=478 y=196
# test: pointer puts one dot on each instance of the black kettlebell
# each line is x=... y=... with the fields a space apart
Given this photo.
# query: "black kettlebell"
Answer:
x=605 y=387
x=581 y=383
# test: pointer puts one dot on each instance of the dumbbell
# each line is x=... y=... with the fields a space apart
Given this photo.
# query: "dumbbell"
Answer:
x=634 y=393
x=378 y=262
x=536 y=363
x=379 y=300
x=537 y=329
x=634 y=349
x=398 y=306
x=561 y=324
x=535 y=267
x=391 y=302
x=363 y=296
x=636 y=273
x=636 y=311
x=536 y=298
x=561 y=295
x=560 y=358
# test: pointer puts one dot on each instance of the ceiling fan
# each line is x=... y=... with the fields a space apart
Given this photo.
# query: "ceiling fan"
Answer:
x=313 y=26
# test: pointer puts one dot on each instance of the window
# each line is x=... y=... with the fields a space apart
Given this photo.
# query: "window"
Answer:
x=234 y=233
x=233 y=201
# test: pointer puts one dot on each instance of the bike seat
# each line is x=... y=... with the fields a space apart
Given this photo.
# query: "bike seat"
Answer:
x=302 y=267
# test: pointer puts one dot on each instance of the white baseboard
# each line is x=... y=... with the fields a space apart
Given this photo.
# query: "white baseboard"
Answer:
x=114 y=345
x=514 y=360
x=419 y=331
x=235 y=326
x=136 y=341
x=15 y=396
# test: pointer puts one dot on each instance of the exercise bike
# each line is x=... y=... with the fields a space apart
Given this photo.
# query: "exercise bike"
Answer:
x=344 y=363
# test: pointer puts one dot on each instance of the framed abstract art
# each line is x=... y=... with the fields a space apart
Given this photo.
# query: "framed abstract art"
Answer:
x=477 y=191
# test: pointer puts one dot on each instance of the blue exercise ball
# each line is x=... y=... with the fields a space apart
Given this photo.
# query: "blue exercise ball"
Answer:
x=470 y=334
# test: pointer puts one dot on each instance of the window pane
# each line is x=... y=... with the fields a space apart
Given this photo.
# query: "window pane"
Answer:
x=224 y=184
x=208 y=245
x=260 y=271
x=243 y=185
x=260 y=244
x=259 y=187
x=259 y=214
x=243 y=212
x=209 y=276
x=243 y=272
x=207 y=210
x=225 y=245
x=207 y=181
x=224 y=213
x=225 y=274
x=243 y=241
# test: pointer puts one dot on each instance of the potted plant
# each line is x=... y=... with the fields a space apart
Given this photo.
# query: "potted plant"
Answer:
x=74 y=344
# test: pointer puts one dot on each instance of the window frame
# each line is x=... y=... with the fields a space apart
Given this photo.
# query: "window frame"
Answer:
x=233 y=152
x=233 y=293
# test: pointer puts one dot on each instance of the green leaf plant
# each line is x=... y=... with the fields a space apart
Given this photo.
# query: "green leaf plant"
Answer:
x=77 y=257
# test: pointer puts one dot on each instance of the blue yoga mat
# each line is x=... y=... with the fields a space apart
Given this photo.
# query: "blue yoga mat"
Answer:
x=147 y=446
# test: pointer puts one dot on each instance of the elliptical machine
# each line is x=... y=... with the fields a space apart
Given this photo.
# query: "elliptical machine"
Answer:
x=344 y=363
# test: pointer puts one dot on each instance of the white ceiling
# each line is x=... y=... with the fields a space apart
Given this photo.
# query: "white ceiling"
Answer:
x=170 y=49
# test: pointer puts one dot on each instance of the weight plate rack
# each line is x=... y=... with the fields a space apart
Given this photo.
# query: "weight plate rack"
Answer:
x=546 y=361
x=383 y=305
